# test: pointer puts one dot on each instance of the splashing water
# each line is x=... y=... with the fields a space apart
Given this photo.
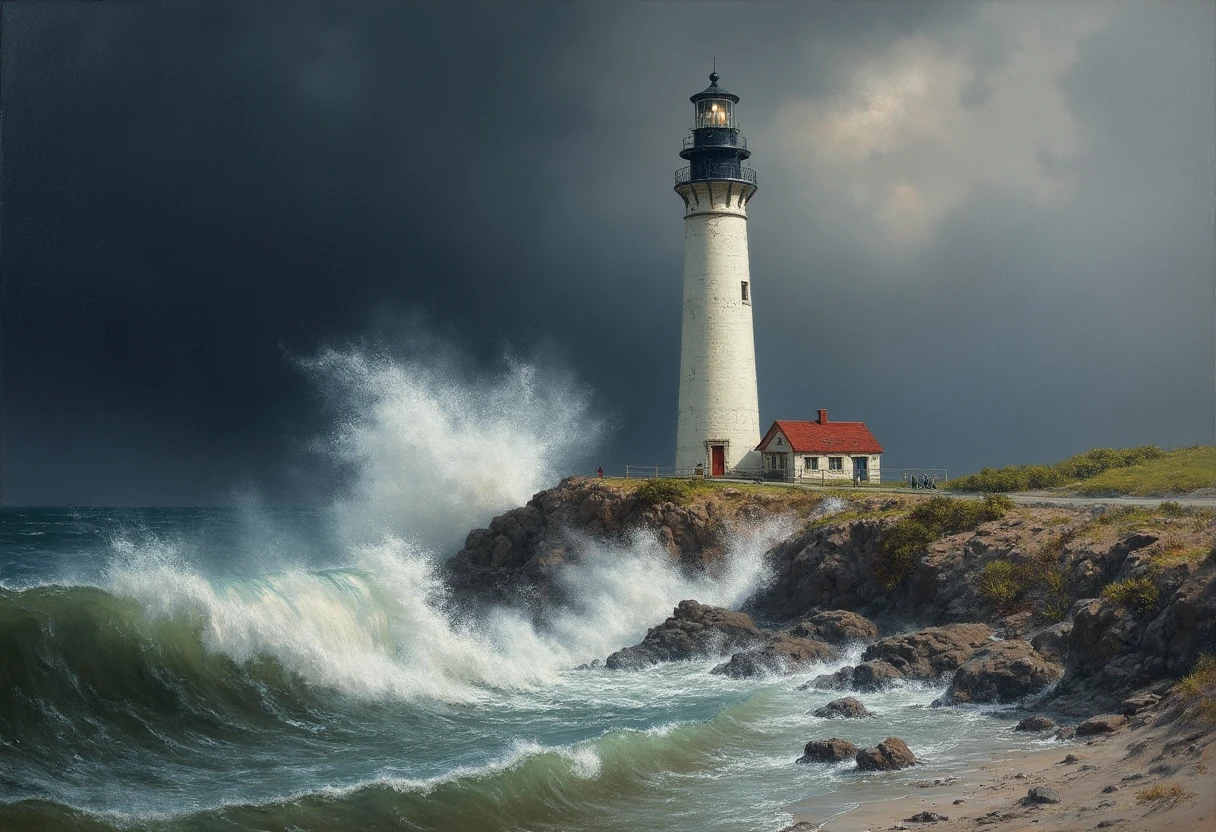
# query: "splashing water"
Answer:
x=436 y=451
x=379 y=627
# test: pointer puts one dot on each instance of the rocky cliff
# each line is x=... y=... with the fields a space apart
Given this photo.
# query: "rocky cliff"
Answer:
x=1114 y=601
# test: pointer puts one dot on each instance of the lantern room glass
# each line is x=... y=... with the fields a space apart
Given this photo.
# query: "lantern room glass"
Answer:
x=715 y=112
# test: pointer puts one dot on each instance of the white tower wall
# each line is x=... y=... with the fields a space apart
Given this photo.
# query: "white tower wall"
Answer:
x=718 y=398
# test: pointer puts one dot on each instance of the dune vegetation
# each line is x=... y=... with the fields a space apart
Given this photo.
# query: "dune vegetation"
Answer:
x=1142 y=471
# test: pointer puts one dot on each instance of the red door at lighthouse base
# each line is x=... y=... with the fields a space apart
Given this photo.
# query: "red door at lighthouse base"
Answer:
x=717 y=454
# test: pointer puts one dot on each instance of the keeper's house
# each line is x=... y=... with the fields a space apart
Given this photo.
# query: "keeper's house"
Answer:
x=820 y=451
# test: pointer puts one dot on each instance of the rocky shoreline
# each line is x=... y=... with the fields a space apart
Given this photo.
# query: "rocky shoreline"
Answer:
x=1079 y=616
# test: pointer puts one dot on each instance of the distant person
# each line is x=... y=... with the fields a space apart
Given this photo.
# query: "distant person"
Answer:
x=599 y=472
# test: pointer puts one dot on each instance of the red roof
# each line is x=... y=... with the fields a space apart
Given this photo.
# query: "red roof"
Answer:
x=825 y=437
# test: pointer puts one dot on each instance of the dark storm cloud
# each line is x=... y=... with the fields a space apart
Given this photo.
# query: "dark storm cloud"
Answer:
x=191 y=189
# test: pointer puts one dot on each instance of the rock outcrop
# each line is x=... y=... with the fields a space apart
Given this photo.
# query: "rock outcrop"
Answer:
x=836 y=627
x=932 y=652
x=1005 y=671
x=693 y=631
x=846 y=708
x=781 y=654
x=516 y=558
x=1036 y=723
x=823 y=587
x=1103 y=724
x=889 y=755
x=834 y=750
x=1042 y=794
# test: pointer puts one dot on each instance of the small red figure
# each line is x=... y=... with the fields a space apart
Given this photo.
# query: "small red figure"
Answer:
x=600 y=472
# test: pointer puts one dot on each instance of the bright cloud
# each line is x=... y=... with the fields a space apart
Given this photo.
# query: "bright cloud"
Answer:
x=915 y=130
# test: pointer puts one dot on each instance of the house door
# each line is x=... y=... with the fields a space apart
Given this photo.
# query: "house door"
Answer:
x=860 y=468
x=717 y=456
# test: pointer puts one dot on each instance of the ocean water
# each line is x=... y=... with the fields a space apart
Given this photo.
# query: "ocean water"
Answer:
x=152 y=677
x=300 y=669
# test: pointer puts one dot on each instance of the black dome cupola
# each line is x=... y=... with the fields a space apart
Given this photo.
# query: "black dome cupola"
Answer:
x=714 y=148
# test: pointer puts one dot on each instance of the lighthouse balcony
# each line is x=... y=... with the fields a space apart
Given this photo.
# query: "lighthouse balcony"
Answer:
x=716 y=138
x=738 y=174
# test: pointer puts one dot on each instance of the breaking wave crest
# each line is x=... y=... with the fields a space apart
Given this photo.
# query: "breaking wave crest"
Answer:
x=436 y=449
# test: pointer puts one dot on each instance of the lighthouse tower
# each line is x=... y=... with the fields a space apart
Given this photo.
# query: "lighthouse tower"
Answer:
x=719 y=417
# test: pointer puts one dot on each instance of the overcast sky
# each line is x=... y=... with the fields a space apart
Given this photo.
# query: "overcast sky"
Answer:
x=984 y=229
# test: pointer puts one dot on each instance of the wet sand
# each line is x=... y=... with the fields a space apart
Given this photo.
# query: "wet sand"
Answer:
x=1164 y=749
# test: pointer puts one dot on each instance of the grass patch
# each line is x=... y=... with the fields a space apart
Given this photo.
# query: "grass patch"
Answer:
x=1162 y=792
x=1176 y=472
x=1137 y=594
x=904 y=543
x=1032 y=477
x=1002 y=583
x=1127 y=518
x=669 y=490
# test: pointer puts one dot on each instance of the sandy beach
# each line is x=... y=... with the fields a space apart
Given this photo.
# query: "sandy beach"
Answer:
x=1156 y=773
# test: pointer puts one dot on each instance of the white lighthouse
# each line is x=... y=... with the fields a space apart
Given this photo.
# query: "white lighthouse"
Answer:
x=719 y=417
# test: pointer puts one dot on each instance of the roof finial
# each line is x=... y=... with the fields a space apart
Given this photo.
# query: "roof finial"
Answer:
x=713 y=76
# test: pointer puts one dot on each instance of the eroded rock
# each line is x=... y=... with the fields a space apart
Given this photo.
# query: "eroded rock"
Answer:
x=889 y=755
x=837 y=627
x=694 y=630
x=1104 y=724
x=1005 y=671
x=834 y=750
x=845 y=708
x=1036 y=723
x=932 y=652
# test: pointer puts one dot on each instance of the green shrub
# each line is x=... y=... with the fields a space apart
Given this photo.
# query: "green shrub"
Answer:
x=1032 y=477
x=1001 y=583
x=1137 y=594
x=658 y=491
x=902 y=545
x=1171 y=508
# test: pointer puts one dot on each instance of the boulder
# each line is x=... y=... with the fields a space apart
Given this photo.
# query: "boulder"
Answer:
x=802 y=826
x=837 y=627
x=1035 y=723
x=834 y=750
x=1104 y=724
x=926 y=817
x=1052 y=642
x=932 y=652
x=1135 y=704
x=840 y=680
x=846 y=708
x=1005 y=671
x=782 y=654
x=1065 y=733
x=875 y=676
x=693 y=631
x=889 y=755
x=1042 y=794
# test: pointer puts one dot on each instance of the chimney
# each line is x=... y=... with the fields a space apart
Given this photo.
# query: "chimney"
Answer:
x=823 y=417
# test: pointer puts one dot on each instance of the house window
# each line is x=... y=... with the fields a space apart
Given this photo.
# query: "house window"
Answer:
x=745 y=292
x=780 y=441
x=836 y=463
x=811 y=463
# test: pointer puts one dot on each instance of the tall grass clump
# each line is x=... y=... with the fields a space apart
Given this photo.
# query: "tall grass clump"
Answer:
x=1139 y=595
x=904 y=543
x=665 y=490
x=1002 y=583
x=1031 y=477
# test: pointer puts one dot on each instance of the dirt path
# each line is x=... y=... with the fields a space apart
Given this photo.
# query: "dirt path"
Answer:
x=1026 y=498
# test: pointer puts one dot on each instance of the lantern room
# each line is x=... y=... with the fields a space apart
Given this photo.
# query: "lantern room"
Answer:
x=714 y=112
